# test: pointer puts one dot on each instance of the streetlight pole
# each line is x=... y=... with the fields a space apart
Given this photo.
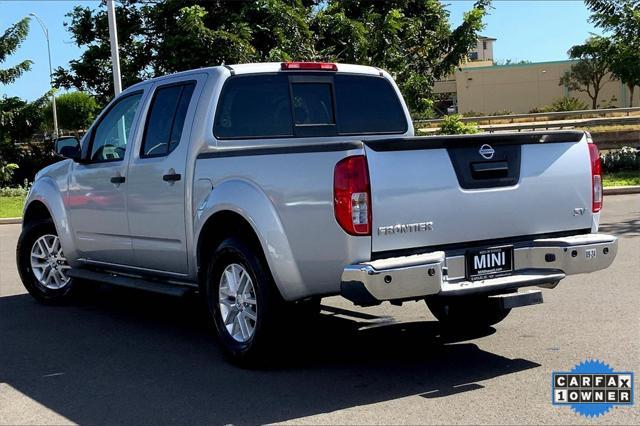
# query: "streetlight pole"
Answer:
x=113 y=38
x=53 y=95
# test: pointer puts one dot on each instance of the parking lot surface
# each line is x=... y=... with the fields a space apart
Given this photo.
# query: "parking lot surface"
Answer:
x=126 y=357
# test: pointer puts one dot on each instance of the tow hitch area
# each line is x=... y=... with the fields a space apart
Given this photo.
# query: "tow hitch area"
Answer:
x=516 y=300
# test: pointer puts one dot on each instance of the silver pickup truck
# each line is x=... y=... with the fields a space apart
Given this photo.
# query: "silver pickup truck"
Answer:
x=266 y=187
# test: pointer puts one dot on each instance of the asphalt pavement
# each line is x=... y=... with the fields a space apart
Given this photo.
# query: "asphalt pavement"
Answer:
x=124 y=357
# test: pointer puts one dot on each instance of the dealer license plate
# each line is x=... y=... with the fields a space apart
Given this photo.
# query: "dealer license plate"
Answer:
x=482 y=264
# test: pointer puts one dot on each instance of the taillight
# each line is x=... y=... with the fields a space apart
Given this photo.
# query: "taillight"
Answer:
x=352 y=195
x=318 y=66
x=596 y=178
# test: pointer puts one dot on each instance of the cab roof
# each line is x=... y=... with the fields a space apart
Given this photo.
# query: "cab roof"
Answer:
x=257 y=68
x=277 y=66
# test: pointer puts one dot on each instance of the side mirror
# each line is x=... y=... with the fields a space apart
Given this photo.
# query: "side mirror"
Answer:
x=68 y=147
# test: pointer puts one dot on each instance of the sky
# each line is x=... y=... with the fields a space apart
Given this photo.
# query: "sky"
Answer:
x=35 y=83
x=526 y=30
x=536 y=31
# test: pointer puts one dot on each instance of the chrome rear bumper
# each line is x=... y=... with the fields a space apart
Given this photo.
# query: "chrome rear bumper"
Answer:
x=536 y=262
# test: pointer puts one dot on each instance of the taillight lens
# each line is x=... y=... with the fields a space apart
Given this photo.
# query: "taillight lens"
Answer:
x=596 y=178
x=352 y=195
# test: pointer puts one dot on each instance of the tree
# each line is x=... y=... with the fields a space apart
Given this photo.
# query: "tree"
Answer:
x=588 y=73
x=506 y=62
x=19 y=119
x=76 y=111
x=92 y=71
x=562 y=104
x=453 y=125
x=621 y=19
x=6 y=172
x=10 y=41
x=209 y=32
x=411 y=39
x=229 y=32
x=624 y=62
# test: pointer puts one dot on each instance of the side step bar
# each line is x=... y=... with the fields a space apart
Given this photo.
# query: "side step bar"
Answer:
x=130 y=282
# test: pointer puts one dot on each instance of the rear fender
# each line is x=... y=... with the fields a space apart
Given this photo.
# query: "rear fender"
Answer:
x=247 y=200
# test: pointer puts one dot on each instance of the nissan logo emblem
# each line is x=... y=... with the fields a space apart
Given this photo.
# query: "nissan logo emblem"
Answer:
x=487 y=151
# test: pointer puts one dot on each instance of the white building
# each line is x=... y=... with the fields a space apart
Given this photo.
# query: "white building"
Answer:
x=483 y=50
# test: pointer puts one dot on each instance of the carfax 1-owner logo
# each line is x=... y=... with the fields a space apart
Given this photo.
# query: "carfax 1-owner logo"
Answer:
x=592 y=388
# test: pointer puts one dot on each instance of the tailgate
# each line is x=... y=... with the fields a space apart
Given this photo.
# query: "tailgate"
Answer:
x=429 y=191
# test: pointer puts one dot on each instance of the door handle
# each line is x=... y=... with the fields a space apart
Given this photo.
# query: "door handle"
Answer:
x=118 y=179
x=171 y=177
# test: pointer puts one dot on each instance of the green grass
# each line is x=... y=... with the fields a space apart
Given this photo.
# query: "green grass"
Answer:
x=11 y=206
x=621 y=178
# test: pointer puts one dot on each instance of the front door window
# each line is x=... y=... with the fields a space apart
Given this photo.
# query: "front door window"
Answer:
x=109 y=142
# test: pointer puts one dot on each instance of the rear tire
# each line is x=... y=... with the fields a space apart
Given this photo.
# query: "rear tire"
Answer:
x=243 y=302
x=42 y=265
x=466 y=312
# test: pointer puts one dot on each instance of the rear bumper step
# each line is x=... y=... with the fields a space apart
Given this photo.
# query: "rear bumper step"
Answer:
x=517 y=300
x=539 y=262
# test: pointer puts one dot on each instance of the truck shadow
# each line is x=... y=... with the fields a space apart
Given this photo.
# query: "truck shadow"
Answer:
x=125 y=357
x=625 y=229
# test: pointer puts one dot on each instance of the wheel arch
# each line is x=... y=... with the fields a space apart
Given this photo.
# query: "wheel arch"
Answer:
x=35 y=211
x=45 y=201
x=218 y=227
x=239 y=208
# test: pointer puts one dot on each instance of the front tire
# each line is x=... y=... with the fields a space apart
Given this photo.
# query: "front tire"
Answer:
x=42 y=265
x=242 y=302
x=466 y=312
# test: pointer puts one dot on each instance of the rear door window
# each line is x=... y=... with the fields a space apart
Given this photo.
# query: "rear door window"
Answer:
x=166 y=119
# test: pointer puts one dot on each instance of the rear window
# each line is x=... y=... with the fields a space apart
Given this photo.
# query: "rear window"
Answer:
x=256 y=106
x=312 y=103
x=368 y=105
x=268 y=106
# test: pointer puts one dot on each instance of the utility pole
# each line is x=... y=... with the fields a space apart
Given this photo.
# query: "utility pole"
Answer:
x=53 y=95
x=113 y=38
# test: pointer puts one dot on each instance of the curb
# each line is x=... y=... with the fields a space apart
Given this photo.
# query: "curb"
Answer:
x=615 y=190
x=10 y=220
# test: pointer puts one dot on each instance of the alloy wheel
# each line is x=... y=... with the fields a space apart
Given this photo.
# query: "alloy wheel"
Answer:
x=48 y=262
x=238 y=303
